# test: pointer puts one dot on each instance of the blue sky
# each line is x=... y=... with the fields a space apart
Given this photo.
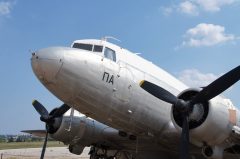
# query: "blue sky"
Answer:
x=195 y=40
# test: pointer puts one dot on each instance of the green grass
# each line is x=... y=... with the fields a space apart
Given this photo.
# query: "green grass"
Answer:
x=38 y=144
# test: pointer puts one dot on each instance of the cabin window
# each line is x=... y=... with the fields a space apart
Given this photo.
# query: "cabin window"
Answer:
x=83 y=46
x=110 y=54
x=97 y=48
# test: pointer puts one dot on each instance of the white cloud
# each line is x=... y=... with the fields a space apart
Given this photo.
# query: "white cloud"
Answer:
x=5 y=8
x=188 y=7
x=194 y=7
x=206 y=35
x=194 y=78
x=213 y=5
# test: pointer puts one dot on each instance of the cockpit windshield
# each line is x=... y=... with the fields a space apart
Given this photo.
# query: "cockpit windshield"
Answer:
x=88 y=47
x=83 y=46
x=97 y=48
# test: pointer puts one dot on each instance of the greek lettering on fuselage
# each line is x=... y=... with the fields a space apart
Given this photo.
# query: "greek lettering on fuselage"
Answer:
x=108 y=78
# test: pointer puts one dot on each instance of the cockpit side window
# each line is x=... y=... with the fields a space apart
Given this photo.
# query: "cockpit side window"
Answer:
x=110 y=54
x=97 y=48
x=83 y=46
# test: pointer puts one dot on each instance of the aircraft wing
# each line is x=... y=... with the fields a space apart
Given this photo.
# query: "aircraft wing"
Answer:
x=37 y=133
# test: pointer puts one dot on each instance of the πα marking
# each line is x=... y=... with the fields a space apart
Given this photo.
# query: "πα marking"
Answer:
x=108 y=78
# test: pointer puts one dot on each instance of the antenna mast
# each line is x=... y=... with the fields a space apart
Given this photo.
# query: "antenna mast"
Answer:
x=110 y=37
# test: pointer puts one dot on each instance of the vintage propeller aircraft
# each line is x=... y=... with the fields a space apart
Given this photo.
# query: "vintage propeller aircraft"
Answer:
x=139 y=110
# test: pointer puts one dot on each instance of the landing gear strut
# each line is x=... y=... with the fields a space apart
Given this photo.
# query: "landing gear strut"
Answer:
x=99 y=153
x=104 y=153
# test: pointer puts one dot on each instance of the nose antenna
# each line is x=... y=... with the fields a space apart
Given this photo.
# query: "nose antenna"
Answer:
x=110 y=37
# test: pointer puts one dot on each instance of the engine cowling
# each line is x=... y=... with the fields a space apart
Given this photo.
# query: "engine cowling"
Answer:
x=72 y=129
x=209 y=122
x=78 y=131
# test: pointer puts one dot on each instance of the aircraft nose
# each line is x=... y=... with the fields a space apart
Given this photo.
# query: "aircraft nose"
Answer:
x=46 y=63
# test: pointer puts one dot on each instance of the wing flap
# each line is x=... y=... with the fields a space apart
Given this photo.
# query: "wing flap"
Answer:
x=37 y=133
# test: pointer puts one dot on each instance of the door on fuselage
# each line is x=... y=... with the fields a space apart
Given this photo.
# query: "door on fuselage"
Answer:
x=124 y=83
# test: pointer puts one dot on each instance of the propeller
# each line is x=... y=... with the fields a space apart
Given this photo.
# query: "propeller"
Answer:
x=48 y=119
x=185 y=107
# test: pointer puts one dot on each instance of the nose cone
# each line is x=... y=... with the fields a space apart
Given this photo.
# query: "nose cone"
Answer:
x=46 y=63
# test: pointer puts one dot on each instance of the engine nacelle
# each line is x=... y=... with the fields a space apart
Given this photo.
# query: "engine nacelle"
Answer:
x=210 y=123
x=72 y=128
x=79 y=131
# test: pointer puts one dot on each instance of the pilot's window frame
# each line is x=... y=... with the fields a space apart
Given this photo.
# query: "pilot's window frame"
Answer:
x=98 y=48
x=83 y=46
x=111 y=54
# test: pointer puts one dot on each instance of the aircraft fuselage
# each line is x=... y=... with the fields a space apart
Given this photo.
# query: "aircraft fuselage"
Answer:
x=107 y=90
x=102 y=81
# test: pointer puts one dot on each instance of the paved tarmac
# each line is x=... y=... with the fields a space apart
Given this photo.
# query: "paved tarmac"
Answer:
x=34 y=153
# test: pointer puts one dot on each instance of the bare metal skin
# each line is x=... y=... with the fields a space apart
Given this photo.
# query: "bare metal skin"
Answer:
x=108 y=91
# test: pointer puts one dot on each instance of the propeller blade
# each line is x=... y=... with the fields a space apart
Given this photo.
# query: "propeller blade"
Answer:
x=61 y=110
x=44 y=146
x=184 y=151
x=217 y=86
x=158 y=92
x=40 y=109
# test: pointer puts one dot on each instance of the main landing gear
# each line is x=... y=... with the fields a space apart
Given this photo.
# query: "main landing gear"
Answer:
x=103 y=153
x=99 y=153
